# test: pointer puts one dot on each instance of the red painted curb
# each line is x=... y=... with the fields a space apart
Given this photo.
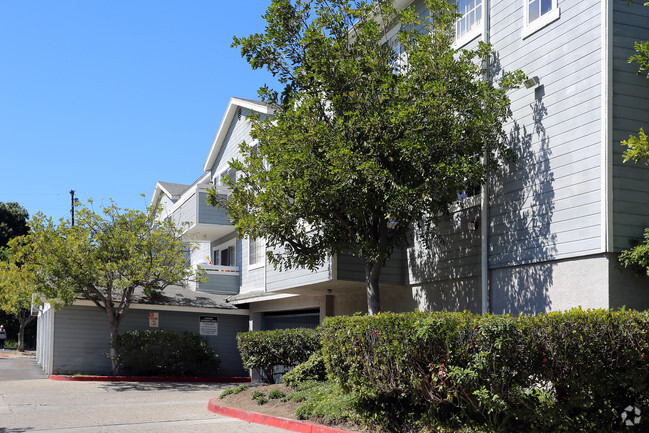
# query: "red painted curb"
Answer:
x=2 y=355
x=150 y=379
x=272 y=421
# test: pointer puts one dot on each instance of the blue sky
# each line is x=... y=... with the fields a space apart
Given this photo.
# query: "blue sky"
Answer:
x=108 y=97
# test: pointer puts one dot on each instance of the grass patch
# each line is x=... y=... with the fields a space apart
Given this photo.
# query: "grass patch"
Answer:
x=276 y=394
x=323 y=400
x=234 y=390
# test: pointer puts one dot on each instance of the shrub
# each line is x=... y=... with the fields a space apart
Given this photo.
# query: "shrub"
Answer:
x=312 y=369
x=572 y=371
x=259 y=397
x=265 y=351
x=276 y=394
x=234 y=390
x=165 y=353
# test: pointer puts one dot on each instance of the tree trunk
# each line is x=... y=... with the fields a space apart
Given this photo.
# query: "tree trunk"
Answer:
x=372 y=273
x=24 y=319
x=114 y=335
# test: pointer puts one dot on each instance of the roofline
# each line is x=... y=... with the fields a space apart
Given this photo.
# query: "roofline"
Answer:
x=230 y=111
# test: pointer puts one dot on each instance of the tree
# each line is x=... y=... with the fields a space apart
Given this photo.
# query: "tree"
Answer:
x=13 y=223
x=18 y=283
x=104 y=258
x=369 y=135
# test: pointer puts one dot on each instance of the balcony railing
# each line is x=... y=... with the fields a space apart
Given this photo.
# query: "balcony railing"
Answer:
x=223 y=280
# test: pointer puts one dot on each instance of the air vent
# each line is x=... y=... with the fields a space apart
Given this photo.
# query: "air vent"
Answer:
x=239 y=113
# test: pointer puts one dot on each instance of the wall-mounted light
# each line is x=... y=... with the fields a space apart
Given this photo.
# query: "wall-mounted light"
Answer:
x=474 y=225
x=531 y=82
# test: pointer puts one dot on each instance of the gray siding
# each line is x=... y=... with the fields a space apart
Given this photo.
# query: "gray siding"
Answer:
x=185 y=215
x=220 y=283
x=630 y=112
x=455 y=254
x=350 y=268
x=238 y=132
x=290 y=278
x=547 y=205
x=81 y=338
x=209 y=214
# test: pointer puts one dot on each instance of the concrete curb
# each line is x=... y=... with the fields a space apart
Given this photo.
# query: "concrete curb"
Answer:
x=271 y=421
x=150 y=379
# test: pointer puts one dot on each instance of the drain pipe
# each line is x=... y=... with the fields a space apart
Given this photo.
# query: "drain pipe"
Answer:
x=484 y=199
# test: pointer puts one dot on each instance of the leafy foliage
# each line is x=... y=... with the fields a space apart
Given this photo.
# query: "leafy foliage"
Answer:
x=265 y=351
x=313 y=369
x=103 y=258
x=13 y=222
x=234 y=390
x=165 y=353
x=573 y=371
x=365 y=141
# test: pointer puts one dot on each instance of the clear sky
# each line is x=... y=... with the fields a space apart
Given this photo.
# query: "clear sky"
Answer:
x=108 y=97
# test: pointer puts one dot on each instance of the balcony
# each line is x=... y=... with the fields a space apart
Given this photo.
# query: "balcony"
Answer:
x=200 y=221
x=221 y=280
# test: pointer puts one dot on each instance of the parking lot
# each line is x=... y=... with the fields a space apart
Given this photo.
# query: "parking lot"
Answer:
x=30 y=402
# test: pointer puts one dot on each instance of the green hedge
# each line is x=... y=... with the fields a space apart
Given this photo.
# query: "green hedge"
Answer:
x=312 y=369
x=265 y=351
x=574 y=371
x=165 y=353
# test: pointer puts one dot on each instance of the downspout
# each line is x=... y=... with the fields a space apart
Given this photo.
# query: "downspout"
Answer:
x=484 y=199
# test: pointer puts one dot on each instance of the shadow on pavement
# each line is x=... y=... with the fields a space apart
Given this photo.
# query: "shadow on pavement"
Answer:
x=163 y=386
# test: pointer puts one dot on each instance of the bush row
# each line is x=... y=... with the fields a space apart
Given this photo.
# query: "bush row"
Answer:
x=165 y=353
x=266 y=351
x=574 y=371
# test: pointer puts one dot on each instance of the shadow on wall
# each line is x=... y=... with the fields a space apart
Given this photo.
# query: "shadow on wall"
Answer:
x=445 y=275
x=522 y=209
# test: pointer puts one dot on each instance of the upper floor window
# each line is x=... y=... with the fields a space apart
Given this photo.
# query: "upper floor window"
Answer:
x=536 y=8
x=468 y=25
x=538 y=14
x=256 y=250
x=225 y=255
x=220 y=179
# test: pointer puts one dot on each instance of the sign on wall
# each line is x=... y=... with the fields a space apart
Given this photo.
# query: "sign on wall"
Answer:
x=154 y=319
x=208 y=325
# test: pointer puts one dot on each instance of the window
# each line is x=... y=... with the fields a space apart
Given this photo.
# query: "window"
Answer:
x=256 y=250
x=536 y=8
x=225 y=256
x=538 y=14
x=392 y=41
x=471 y=191
x=230 y=173
x=468 y=26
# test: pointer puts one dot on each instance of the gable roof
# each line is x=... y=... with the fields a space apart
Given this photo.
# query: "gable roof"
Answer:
x=171 y=190
x=230 y=112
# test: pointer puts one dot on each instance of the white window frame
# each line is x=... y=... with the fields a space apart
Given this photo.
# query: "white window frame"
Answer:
x=260 y=253
x=473 y=32
x=530 y=28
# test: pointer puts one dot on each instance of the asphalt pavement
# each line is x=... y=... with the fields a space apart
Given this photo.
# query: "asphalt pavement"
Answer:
x=30 y=402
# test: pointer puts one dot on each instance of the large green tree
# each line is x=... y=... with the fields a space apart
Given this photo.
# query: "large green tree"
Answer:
x=13 y=223
x=104 y=258
x=18 y=285
x=370 y=134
